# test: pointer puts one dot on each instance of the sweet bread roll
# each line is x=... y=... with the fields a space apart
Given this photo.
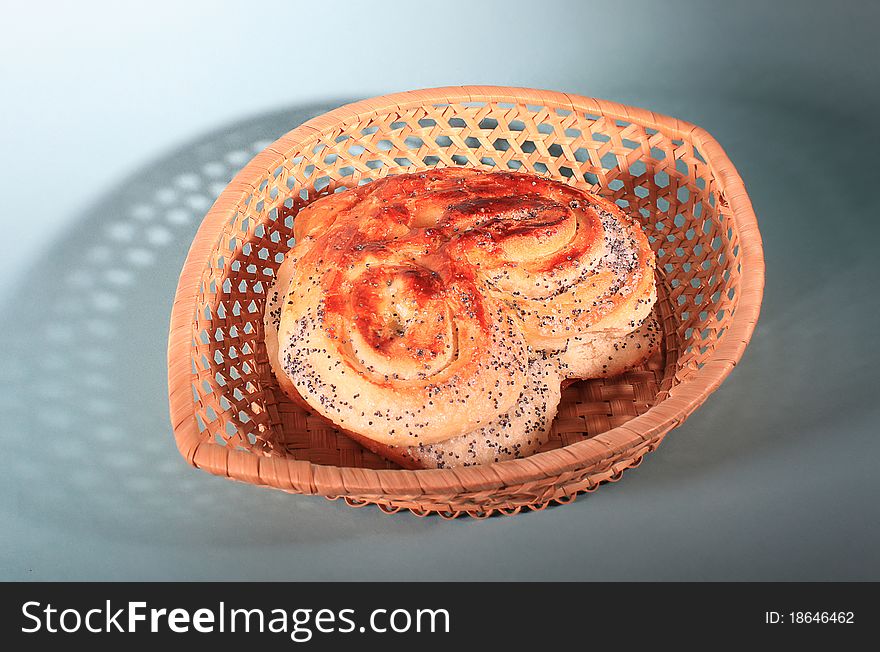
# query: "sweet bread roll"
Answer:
x=433 y=316
x=568 y=262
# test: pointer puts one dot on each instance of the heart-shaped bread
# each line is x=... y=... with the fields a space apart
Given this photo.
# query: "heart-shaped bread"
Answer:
x=433 y=316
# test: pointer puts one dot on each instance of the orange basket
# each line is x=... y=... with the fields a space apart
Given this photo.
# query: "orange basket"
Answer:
x=230 y=417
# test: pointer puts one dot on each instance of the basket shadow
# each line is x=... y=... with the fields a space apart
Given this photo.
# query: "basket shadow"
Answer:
x=86 y=408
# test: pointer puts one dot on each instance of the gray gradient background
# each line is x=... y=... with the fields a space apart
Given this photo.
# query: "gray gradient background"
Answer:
x=119 y=126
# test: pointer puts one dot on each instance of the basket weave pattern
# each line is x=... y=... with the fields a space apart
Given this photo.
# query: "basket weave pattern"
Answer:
x=229 y=416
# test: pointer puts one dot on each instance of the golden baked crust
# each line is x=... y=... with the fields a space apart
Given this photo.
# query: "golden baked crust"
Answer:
x=426 y=314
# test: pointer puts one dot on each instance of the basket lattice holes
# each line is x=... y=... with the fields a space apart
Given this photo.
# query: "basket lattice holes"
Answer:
x=663 y=182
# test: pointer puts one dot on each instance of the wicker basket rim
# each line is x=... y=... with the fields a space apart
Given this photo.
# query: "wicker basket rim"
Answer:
x=306 y=477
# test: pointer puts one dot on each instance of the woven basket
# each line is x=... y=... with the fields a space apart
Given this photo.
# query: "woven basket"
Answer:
x=228 y=414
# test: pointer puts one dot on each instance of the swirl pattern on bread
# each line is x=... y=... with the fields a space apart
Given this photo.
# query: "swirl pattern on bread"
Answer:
x=433 y=316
